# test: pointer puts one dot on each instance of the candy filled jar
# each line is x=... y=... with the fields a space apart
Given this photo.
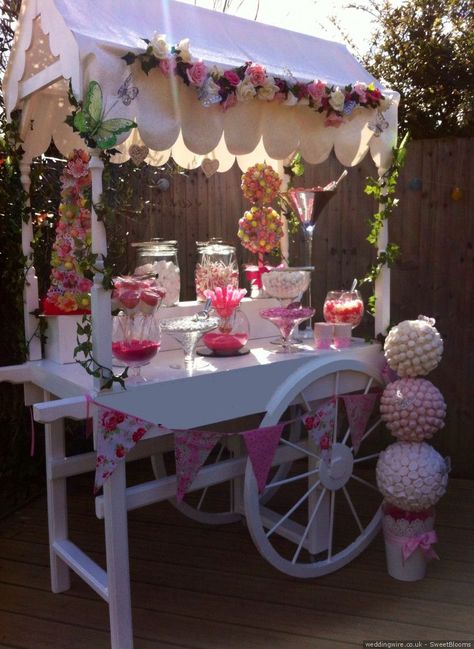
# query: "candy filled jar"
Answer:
x=230 y=336
x=343 y=307
x=216 y=267
x=160 y=257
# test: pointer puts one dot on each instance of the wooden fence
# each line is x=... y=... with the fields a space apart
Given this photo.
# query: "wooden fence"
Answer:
x=433 y=277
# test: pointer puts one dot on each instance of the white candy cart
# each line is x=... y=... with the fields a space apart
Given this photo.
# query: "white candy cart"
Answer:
x=294 y=519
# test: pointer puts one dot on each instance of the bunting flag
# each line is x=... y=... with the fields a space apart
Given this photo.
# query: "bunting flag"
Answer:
x=117 y=433
x=320 y=426
x=359 y=407
x=191 y=450
x=261 y=445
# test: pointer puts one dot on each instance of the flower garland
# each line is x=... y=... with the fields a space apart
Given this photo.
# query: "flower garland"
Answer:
x=69 y=291
x=251 y=80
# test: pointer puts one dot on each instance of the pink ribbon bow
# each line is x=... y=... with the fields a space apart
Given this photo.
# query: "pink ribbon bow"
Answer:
x=255 y=274
x=423 y=541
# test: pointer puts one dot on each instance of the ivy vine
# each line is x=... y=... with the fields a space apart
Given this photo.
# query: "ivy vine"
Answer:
x=382 y=190
x=89 y=363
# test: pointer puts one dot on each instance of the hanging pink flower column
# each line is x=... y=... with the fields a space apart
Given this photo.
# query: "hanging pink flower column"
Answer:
x=69 y=292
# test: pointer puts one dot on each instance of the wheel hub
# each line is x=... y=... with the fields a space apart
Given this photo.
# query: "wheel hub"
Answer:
x=335 y=473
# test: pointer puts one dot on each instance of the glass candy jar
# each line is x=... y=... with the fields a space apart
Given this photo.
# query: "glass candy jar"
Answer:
x=343 y=307
x=216 y=267
x=160 y=258
x=230 y=336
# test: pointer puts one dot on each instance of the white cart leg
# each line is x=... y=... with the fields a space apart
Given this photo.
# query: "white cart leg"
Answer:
x=118 y=572
x=57 y=504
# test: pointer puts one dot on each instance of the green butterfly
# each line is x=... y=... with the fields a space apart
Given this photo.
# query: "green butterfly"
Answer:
x=89 y=121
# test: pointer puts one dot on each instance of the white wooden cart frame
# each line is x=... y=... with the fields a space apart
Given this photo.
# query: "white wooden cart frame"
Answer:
x=58 y=41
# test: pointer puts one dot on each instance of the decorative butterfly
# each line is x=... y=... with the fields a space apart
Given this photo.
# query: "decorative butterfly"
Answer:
x=380 y=124
x=89 y=120
x=126 y=92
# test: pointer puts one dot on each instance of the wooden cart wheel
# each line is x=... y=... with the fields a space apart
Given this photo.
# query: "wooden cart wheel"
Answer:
x=321 y=514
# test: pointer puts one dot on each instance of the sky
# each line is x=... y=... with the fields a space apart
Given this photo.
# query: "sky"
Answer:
x=305 y=16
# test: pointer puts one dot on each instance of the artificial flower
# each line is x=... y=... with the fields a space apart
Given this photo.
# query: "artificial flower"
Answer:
x=245 y=91
x=183 y=49
x=256 y=74
x=159 y=46
x=268 y=90
x=336 y=99
x=197 y=74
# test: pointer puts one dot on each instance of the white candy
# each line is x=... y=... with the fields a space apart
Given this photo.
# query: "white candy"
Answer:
x=424 y=478
x=413 y=347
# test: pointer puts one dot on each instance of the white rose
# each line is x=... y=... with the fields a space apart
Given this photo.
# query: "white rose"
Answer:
x=385 y=104
x=291 y=100
x=336 y=100
x=245 y=90
x=160 y=46
x=268 y=90
x=183 y=47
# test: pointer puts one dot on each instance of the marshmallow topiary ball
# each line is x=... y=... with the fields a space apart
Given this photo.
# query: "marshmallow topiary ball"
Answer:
x=411 y=476
x=413 y=347
x=413 y=409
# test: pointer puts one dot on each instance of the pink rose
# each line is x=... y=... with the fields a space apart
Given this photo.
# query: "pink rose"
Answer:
x=109 y=421
x=256 y=74
x=84 y=285
x=317 y=90
x=100 y=460
x=167 y=66
x=324 y=442
x=119 y=450
x=197 y=74
x=138 y=434
x=309 y=423
x=232 y=77
x=229 y=101
x=333 y=120
x=360 y=90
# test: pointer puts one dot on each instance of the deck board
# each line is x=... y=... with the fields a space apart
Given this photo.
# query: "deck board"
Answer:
x=198 y=587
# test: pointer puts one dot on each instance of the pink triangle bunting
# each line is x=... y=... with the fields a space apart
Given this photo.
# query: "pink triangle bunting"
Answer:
x=359 y=407
x=261 y=445
x=191 y=450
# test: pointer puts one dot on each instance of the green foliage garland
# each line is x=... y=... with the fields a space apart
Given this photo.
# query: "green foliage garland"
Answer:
x=382 y=190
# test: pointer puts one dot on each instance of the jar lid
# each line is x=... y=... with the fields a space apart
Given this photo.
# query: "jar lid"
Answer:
x=156 y=243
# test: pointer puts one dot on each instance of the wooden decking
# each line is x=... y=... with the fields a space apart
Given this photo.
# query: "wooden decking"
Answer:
x=208 y=588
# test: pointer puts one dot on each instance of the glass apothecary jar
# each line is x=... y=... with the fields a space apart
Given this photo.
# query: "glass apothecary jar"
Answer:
x=160 y=258
x=216 y=267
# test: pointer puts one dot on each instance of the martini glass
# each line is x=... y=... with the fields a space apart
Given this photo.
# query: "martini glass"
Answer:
x=187 y=331
x=286 y=319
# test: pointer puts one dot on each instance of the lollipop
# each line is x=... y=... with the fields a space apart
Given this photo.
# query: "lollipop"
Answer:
x=260 y=229
x=260 y=184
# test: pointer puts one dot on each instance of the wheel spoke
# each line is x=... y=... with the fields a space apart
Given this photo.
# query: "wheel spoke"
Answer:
x=294 y=478
x=331 y=524
x=290 y=511
x=310 y=522
x=336 y=394
x=352 y=508
x=367 y=457
x=362 y=481
x=299 y=448
x=203 y=495
x=367 y=433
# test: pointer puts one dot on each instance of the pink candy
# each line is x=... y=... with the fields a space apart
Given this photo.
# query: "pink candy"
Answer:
x=225 y=299
x=212 y=275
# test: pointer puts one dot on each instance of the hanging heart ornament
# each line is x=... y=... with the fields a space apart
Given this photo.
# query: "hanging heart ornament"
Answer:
x=209 y=166
x=138 y=153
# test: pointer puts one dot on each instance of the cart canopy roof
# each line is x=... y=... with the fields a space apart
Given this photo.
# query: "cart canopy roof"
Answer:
x=61 y=40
